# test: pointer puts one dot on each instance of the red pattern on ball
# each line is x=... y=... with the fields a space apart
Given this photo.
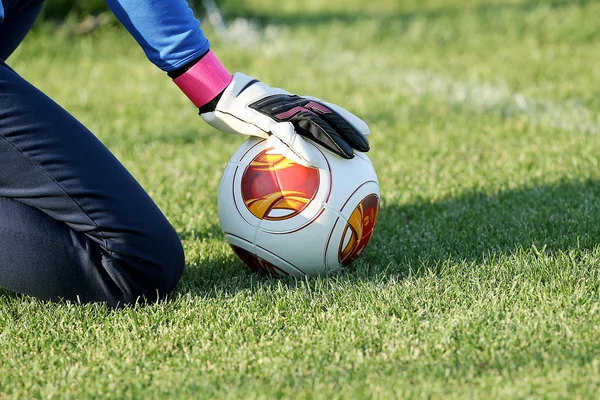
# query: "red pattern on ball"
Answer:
x=274 y=182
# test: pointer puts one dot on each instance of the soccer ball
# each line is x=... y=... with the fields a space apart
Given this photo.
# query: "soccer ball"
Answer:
x=288 y=219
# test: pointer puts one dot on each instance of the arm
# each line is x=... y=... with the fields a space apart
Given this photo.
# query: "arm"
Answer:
x=166 y=30
x=172 y=39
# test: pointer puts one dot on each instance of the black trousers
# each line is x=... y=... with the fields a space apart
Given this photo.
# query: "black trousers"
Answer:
x=74 y=224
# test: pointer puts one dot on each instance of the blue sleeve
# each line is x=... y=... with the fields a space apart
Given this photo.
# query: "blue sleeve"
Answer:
x=166 y=29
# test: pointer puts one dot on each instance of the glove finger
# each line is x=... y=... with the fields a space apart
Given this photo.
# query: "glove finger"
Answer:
x=347 y=115
x=293 y=146
x=313 y=127
x=346 y=130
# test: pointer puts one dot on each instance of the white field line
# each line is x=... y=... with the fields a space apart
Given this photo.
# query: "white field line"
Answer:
x=498 y=98
x=478 y=97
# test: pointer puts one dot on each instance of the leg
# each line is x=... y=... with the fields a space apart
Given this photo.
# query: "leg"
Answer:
x=18 y=21
x=53 y=164
x=43 y=257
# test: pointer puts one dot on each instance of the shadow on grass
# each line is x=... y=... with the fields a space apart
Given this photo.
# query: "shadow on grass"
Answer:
x=421 y=236
x=326 y=17
x=557 y=217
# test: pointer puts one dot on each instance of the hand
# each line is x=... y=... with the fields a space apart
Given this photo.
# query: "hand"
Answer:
x=249 y=107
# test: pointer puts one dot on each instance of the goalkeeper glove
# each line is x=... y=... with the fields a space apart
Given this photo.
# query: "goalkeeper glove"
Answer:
x=241 y=104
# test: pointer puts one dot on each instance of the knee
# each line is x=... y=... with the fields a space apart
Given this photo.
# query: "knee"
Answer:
x=154 y=271
x=169 y=261
x=171 y=264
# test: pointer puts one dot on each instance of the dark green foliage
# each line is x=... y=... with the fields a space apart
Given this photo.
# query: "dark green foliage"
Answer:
x=58 y=9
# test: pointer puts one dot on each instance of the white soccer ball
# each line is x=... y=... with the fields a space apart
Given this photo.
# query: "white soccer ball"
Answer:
x=289 y=219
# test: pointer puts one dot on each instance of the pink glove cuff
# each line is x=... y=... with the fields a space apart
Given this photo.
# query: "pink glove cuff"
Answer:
x=205 y=80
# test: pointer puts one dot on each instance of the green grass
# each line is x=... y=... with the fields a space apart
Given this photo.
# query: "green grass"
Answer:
x=483 y=276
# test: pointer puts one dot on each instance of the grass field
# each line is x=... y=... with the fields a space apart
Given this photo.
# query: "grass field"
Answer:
x=482 y=278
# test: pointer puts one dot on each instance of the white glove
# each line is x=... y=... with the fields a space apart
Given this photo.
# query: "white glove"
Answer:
x=241 y=104
x=249 y=107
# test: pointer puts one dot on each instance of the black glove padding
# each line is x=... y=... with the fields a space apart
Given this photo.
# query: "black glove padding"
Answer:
x=317 y=121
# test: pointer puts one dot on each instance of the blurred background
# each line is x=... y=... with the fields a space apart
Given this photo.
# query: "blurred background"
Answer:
x=77 y=11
